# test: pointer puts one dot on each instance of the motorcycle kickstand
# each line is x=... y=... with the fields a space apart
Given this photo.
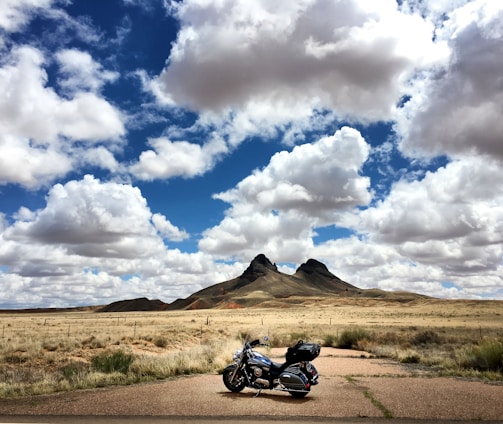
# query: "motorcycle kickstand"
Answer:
x=258 y=393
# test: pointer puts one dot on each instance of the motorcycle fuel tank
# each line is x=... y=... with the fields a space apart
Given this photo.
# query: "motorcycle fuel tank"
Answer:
x=263 y=362
x=260 y=360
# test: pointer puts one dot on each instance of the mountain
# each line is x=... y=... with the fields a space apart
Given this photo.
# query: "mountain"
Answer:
x=262 y=282
x=262 y=285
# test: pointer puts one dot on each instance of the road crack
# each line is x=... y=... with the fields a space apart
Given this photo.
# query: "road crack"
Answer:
x=368 y=394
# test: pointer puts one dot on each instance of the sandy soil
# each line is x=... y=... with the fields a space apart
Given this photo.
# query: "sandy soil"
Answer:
x=351 y=385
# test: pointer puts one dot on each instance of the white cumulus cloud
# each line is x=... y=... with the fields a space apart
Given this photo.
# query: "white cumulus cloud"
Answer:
x=39 y=128
x=251 y=67
x=177 y=158
x=275 y=209
x=456 y=110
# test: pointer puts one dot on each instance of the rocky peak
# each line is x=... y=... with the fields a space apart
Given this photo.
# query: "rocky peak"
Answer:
x=312 y=266
x=258 y=267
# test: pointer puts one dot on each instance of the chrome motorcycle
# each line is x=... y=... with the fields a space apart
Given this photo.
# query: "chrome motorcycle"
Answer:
x=253 y=369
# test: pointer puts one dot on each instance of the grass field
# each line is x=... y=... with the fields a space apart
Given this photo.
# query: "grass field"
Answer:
x=49 y=352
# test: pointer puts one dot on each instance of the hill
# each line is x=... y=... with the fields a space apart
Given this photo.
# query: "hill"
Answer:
x=140 y=304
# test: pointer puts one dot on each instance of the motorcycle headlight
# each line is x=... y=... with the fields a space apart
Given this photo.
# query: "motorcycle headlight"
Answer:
x=237 y=354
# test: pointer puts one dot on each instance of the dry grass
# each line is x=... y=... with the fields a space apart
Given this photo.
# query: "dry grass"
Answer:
x=48 y=352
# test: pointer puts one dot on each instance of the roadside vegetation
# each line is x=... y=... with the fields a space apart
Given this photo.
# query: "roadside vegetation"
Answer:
x=445 y=352
x=47 y=353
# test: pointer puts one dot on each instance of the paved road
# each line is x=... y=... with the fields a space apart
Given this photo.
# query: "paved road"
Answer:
x=351 y=389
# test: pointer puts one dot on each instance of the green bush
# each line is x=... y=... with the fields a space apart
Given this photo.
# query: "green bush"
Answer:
x=109 y=362
x=486 y=356
x=350 y=339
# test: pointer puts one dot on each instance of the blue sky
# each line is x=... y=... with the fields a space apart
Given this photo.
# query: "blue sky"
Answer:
x=153 y=148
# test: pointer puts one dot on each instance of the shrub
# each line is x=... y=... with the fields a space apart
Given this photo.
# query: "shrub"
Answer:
x=350 y=339
x=74 y=370
x=329 y=340
x=426 y=337
x=109 y=362
x=411 y=358
x=161 y=342
x=486 y=356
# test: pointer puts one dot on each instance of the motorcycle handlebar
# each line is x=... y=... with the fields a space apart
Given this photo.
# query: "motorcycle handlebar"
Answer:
x=254 y=343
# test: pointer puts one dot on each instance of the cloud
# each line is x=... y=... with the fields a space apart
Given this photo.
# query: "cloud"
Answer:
x=40 y=125
x=457 y=109
x=255 y=66
x=451 y=219
x=93 y=240
x=313 y=48
x=90 y=218
x=369 y=264
x=274 y=209
x=167 y=229
x=177 y=158
x=14 y=14
x=79 y=72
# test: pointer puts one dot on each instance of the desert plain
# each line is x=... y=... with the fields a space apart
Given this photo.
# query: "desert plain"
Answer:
x=67 y=351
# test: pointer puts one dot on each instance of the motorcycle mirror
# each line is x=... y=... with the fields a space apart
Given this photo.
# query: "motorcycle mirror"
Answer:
x=266 y=339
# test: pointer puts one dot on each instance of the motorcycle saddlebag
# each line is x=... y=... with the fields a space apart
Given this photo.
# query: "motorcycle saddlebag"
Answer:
x=293 y=379
x=302 y=352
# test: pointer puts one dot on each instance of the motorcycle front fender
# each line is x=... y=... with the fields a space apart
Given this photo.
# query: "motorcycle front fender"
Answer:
x=231 y=368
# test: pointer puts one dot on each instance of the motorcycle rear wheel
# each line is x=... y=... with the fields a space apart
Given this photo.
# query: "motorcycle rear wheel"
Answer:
x=235 y=385
x=298 y=395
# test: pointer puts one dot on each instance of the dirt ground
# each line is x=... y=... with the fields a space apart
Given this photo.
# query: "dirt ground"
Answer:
x=351 y=385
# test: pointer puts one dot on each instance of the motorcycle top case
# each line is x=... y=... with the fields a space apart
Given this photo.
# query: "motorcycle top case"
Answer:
x=302 y=352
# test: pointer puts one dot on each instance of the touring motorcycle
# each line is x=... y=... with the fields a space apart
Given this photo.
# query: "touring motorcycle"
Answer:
x=255 y=370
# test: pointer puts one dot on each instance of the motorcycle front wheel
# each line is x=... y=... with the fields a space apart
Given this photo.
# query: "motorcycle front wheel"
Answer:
x=235 y=385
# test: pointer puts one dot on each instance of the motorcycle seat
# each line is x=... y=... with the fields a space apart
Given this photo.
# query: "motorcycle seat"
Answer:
x=277 y=367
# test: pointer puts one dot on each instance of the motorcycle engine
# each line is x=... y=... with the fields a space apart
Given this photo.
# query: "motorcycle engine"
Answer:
x=258 y=373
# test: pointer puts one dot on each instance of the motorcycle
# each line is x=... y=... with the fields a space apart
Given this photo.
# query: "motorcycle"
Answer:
x=254 y=370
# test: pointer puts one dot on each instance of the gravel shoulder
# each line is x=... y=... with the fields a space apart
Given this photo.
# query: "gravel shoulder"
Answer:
x=351 y=386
